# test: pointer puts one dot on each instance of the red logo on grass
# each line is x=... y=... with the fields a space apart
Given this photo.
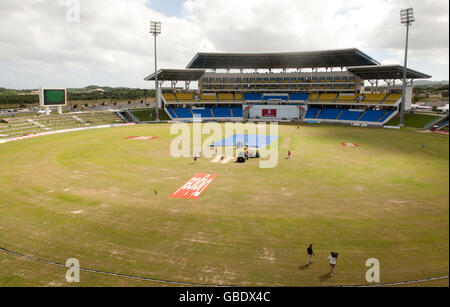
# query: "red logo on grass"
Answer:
x=194 y=187
x=349 y=145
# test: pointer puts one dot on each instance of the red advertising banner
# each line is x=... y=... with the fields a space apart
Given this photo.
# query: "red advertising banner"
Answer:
x=194 y=187
x=442 y=132
x=141 y=138
x=269 y=113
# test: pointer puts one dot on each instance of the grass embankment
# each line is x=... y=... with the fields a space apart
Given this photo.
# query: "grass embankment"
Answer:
x=415 y=120
x=149 y=115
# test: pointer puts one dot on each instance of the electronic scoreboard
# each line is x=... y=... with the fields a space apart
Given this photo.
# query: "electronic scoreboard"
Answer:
x=53 y=97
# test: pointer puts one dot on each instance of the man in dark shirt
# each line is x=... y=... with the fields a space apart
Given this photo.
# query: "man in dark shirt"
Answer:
x=310 y=255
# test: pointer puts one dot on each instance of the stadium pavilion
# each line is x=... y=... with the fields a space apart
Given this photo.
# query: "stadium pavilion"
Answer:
x=318 y=86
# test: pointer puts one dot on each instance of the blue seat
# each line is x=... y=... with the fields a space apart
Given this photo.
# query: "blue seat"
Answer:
x=350 y=115
x=237 y=112
x=222 y=112
x=386 y=116
x=372 y=116
x=329 y=113
x=183 y=113
x=206 y=112
x=274 y=97
x=252 y=97
x=299 y=97
x=312 y=113
x=172 y=112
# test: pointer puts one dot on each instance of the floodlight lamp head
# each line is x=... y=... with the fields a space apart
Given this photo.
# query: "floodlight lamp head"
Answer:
x=155 y=27
x=407 y=16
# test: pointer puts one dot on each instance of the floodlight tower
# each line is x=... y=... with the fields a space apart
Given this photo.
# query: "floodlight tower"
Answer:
x=406 y=18
x=155 y=29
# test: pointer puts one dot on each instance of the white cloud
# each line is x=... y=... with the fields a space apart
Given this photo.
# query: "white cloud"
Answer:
x=111 y=44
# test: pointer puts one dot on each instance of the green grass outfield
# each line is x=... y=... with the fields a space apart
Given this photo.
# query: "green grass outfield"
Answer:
x=416 y=120
x=94 y=196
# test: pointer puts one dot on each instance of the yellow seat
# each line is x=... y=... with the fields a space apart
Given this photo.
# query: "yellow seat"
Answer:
x=169 y=96
x=327 y=97
x=347 y=98
x=393 y=98
x=374 y=97
x=225 y=97
x=185 y=96
x=204 y=97
x=313 y=97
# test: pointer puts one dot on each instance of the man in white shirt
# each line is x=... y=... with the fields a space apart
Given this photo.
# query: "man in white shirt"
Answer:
x=333 y=259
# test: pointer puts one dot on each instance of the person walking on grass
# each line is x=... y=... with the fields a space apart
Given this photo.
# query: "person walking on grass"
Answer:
x=310 y=253
x=289 y=155
x=333 y=259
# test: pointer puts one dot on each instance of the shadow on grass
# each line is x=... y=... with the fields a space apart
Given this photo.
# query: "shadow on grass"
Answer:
x=303 y=268
x=325 y=277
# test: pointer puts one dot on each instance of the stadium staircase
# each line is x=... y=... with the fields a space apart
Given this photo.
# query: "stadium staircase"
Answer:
x=79 y=119
x=135 y=119
x=441 y=123
x=362 y=114
x=35 y=123
x=171 y=113
x=382 y=116
x=128 y=117
x=318 y=114
x=340 y=114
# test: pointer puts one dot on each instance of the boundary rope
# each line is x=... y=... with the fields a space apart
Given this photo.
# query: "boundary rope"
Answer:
x=180 y=283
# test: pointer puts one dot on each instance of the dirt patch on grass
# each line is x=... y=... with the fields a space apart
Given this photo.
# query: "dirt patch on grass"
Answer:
x=268 y=255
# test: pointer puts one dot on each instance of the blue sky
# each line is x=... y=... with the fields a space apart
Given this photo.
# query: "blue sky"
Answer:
x=170 y=8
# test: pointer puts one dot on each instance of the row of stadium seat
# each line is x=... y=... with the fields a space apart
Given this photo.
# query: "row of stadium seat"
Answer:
x=259 y=97
x=231 y=97
x=208 y=81
x=298 y=87
x=286 y=97
x=363 y=98
x=190 y=97
x=375 y=116
x=20 y=126
x=276 y=97
x=217 y=112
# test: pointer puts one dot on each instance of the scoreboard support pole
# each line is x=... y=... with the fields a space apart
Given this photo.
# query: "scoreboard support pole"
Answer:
x=59 y=110
x=47 y=111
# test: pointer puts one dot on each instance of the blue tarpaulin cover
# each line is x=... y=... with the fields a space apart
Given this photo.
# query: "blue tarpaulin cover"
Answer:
x=250 y=140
